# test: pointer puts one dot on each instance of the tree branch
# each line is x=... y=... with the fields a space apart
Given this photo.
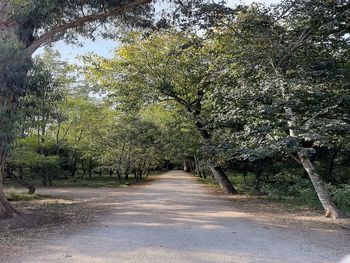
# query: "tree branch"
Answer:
x=48 y=36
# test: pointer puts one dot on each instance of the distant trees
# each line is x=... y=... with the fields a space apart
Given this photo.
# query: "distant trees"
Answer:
x=250 y=89
x=290 y=71
x=167 y=66
x=65 y=130
x=267 y=82
x=25 y=26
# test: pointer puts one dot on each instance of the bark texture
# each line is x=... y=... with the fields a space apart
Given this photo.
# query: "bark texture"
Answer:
x=321 y=190
x=24 y=32
x=222 y=179
x=218 y=173
x=6 y=209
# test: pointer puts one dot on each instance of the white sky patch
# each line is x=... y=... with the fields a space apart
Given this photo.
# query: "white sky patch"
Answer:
x=105 y=47
x=248 y=2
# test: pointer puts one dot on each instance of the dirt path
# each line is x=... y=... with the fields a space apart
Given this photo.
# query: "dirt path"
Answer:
x=176 y=219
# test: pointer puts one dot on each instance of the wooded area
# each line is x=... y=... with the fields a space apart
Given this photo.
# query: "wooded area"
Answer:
x=256 y=97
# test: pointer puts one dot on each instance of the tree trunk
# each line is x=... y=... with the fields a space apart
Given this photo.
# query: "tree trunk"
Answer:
x=20 y=172
x=6 y=209
x=258 y=180
x=195 y=109
x=50 y=178
x=186 y=167
x=83 y=169
x=74 y=165
x=245 y=185
x=44 y=180
x=167 y=167
x=218 y=173
x=198 y=167
x=332 y=157
x=20 y=180
x=8 y=28
x=90 y=167
x=136 y=173
x=117 y=171
x=322 y=192
x=222 y=179
x=192 y=169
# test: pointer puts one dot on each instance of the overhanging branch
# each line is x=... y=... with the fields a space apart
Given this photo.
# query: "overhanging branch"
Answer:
x=48 y=36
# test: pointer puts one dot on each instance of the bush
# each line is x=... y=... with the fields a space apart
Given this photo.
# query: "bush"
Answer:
x=20 y=196
x=302 y=193
x=341 y=196
x=279 y=189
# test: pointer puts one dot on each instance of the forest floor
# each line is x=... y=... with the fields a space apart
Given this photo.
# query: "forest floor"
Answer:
x=171 y=218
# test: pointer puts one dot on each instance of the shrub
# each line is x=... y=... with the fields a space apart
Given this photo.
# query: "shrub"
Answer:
x=20 y=196
x=341 y=196
x=302 y=193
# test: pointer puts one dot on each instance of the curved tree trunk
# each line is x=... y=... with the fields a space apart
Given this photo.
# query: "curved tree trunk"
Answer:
x=218 y=173
x=222 y=179
x=6 y=209
x=31 y=187
x=25 y=35
x=322 y=192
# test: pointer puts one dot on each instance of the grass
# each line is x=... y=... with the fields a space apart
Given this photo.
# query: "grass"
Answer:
x=100 y=181
x=93 y=182
x=294 y=193
x=209 y=181
x=21 y=196
x=156 y=173
x=89 y=182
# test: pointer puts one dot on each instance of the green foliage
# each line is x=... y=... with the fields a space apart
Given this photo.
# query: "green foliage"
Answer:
x=13 y=67
x=18 y=196
x=300 y=192
x=93 y=182
x=341 y=196
x=66 y=131
x=173 y=95
x=46 y=13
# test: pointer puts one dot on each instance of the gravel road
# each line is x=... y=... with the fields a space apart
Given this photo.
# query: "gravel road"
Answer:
x=175 y=219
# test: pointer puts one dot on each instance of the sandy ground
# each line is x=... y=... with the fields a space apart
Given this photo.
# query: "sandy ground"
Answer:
x=176 y=219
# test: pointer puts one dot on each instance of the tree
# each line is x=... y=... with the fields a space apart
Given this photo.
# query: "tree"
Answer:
x=288 y=73
x=25 y=26
x=178 y=137
x=13 y=67
x=165 y=66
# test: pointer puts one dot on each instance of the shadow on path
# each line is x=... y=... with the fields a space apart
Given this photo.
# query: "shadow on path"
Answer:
x=176 y=219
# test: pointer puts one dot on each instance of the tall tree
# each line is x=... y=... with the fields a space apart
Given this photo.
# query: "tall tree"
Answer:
x=166 y=66
x=288 y=66
x=25 y=26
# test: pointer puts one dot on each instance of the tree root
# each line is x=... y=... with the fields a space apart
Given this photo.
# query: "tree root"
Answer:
x=7 y=210
x=331 y=212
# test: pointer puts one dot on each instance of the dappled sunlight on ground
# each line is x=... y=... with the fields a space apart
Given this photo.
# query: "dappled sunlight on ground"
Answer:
x=177 y=219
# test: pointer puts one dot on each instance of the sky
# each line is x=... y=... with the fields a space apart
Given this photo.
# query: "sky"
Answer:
x=104 y=47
